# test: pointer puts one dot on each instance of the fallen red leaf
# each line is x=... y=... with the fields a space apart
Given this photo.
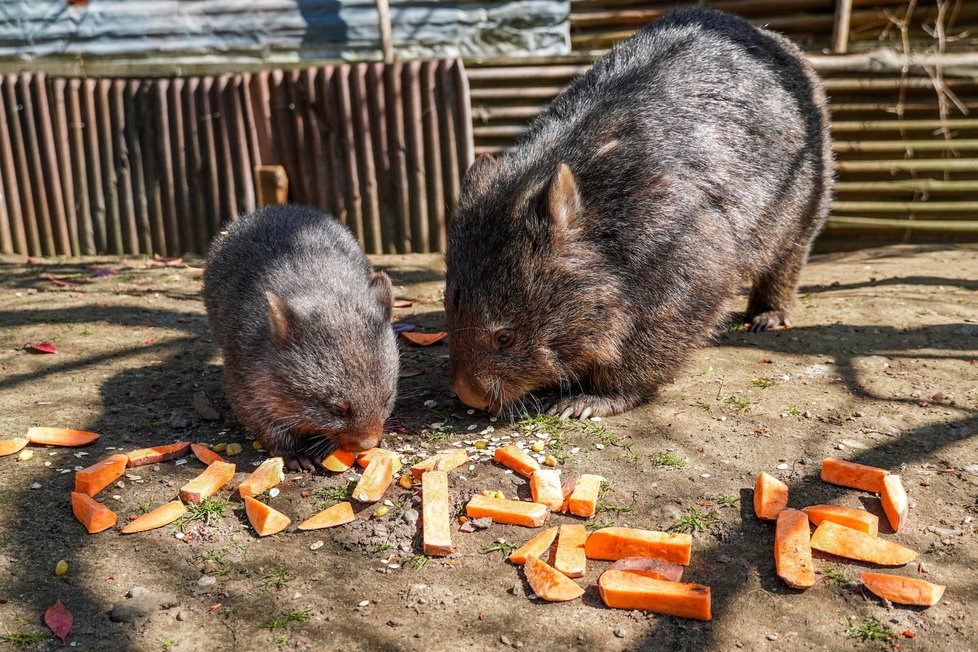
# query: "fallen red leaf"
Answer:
x=214 y=607
x=60 y=283
x=40 y=347
x=60 y=620
x=403 y=303
x=424 y=339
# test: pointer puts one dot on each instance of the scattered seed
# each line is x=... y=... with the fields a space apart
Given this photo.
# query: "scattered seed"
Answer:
x=316 y=545
x=537 y=446
x=782 y=467
x=219 y=448
x=274 y=491
x=381 y=511
x=550 y=460
x=480 y=445
x=363 y=603
x=232 y=449
x=257 y=445
x=25 y=455
x=61 y=568
x=406 y=481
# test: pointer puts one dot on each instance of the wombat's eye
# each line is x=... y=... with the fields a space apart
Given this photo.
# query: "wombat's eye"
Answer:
x=504 y=338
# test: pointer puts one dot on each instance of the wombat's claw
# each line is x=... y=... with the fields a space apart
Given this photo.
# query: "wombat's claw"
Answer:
x=768 y=320
x=584 y=406
x=300 y=463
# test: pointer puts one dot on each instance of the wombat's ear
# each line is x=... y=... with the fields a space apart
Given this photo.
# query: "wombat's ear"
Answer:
x=280 y=316
x=380 y=285
x=563 y=202
x=478 y=172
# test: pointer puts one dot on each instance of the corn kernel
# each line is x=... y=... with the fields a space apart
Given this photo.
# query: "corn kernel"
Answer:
x=232 y=449
x=219 y=448
x=481 y=444
x=406 y=481
x=550 y=461
x=381 y=511
x=61 y=568
x=500 y=495
x=257 y=445
x=537 y=446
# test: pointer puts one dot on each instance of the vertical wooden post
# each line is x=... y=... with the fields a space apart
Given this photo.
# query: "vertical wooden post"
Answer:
x=386 y=31
x=840 y=30
x=272 y=183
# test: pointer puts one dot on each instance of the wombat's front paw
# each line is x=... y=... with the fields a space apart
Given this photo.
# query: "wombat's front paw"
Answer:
x=300 y=462
x=583 y=406
x=768 y=320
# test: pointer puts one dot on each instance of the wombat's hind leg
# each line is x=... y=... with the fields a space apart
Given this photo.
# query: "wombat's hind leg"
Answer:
x=773 y=294
x=584 y=406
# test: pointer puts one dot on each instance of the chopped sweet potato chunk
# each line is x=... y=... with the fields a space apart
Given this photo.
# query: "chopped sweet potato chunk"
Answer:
x=895 y=503
x=535 y=546
x=770 y=496
x=845 y=542
x=268 y=474
x=445 y=460
x=60 y=437
x=857 y=519
x=377 y=476
x=11 y=446
x=338 y=514
x=624 y=590
x=569 y=557
x=159 y=453
x=614 y=543
x=793 y=550
x=264 y=519
x=436 y=514
x=514 y=457
x=583 y=500
x=98 y=476
x=903 y=590
x=548 y=583
x=545 y=489
x=513 y=512
x=851 y=474
x=159 y=517
x=207 y=483
x=205 y=455
x=92 y=514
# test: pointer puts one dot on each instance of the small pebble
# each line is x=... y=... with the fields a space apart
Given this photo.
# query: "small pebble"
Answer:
x=274 y=491
x=772 y=637
x=504 y=639
x=36 y=485
x=575 y=450
x=599 y=447
x=206 y=580
x=470 y=411
x=783 y=467
x=430 y=403
x=620 y=633
x=316 y=545
x=704 y=475
x=179 y=535
x=363 y=603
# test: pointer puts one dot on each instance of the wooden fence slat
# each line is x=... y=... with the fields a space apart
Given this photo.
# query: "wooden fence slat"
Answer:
x=298 y=107
x=463 y=104
x=261 y=103
x=49 y=163
x=178 y=156
x=431 y=113
x=200 y=197
x=249 y=114
x=6 y=240
x=8 y=172
x=149 y=145
x=376 y=96
x=345 y=115
x=283 y=133
x=240 y=148
x=165 y=168
x=222 y=139
x=110 y=144
x=33 y=151
x=447 y=99
x=365 y=157
x=334 y=147
x=92 y=162
x=121 y=114
x=66 y=170
x=414 y=137
x=79 y=169
x=146 y=236
x=208 y=157
x=397 y=146
x=315 y=140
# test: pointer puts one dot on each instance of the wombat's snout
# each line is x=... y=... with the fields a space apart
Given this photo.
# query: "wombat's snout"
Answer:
x=356 y=442
x=470 y=393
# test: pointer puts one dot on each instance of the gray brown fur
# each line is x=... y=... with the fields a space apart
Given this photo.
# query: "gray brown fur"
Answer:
x=693 y=159
x=310 y=361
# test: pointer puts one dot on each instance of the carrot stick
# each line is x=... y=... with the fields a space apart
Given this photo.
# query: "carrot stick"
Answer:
x=548 y=583
x=264 y=519
x=375 y=479
x=583 y=500
x=514 y=457
x=11 y=446
x=895 y=504
x=159 y=453
x=535 y=546
x=614 y=543
x=903 y=590
x=850 y=474
x=92 y=514
x=857 y=519
x=339 y=461
x=206 y=455
x=513 y=512
x=569 y=557
x=545 y=489
x=792 y=549
x=770 y=496
x=207 y=483
x=268 y=474
x=435 y=514
x=650 y=567
x=363 y=459
x=157 y=518
x=98 y=476
x=60 y=437
x=624 y=590
x=845 y=542
x=329 y=517
x=445 y=460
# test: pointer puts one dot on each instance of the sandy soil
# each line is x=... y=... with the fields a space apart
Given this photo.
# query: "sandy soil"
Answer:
x=879 y=368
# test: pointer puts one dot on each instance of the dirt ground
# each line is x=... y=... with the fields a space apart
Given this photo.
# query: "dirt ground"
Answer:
x=879 y=368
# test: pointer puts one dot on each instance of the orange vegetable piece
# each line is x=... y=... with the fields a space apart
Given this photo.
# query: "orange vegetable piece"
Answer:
x=792 y=549
x=157 y=518
x=614 y=543
x=207 y=483
x=363 y=459
x=11 y=446
x=770 y=496
x=423 y=339
x=569 y=557
x=264 y=519
x=535 y=546
x=159 y=453
x=98 y=476
x=895 y=503
x=268 y=474
x=545 y=489
x=60 y=437
x=624 y=590
x=330 y=517
x=376 y=478
x=584 y=499
x=650 y=567
x=845 y=542
x=92 y=514
x=857 y=519
x=514 y=457
x=513 y=512
x=903 y=590
x=339 y=461
x=445 y=460
x=436 y=514
x=850 y=474
x=206 y=455
x=567 y=490
x=548 y=583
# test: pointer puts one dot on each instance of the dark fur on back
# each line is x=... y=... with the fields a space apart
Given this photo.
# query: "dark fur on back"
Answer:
x=698 y=158
x=310 y=361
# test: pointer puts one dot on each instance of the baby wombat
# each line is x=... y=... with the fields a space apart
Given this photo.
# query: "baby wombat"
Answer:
x=310 y=360
x=597 y=255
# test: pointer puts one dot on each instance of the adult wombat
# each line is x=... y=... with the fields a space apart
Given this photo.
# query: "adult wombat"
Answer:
x=598 y=254
x=310 y=360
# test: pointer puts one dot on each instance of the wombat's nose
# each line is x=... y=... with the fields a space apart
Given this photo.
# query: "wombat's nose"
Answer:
x=470 y=394
x=362 y=441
